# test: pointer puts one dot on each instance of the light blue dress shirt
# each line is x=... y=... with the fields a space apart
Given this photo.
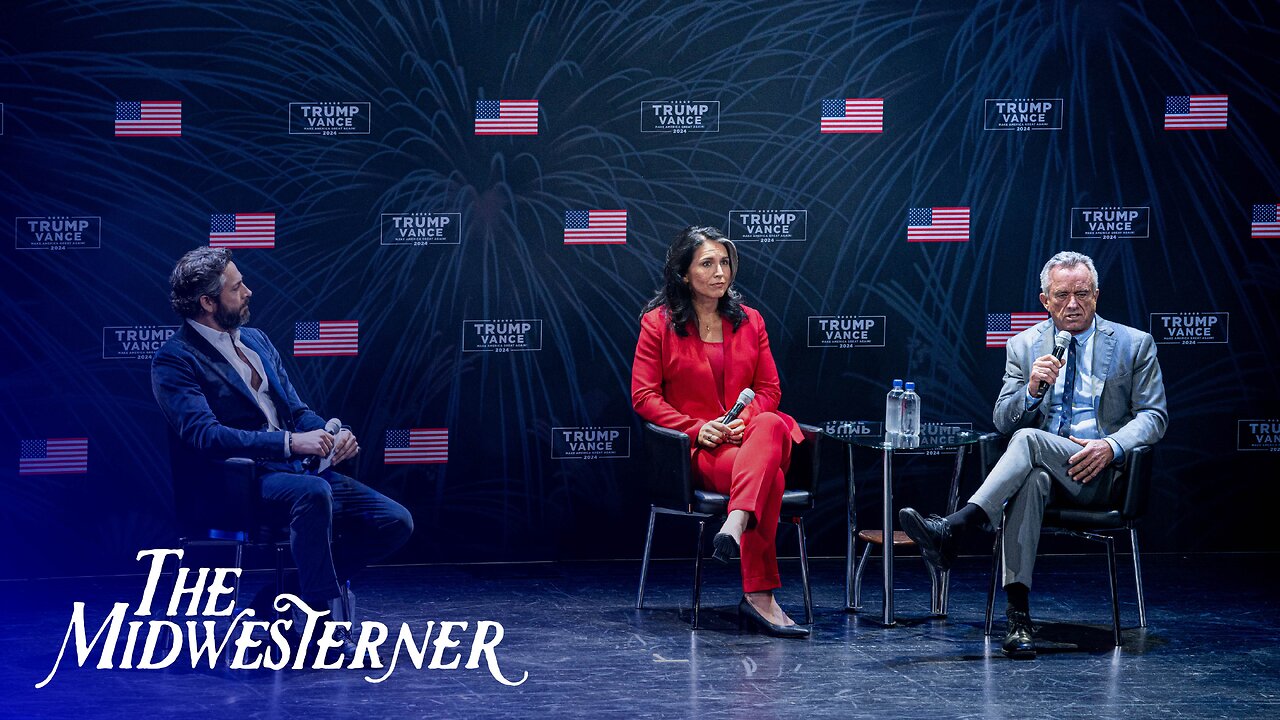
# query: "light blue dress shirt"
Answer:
x=1084 y=406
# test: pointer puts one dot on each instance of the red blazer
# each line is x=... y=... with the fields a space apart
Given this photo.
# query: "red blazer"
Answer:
x=672 y=384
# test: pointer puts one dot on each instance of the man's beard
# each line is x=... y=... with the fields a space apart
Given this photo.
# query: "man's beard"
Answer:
x=230 y=320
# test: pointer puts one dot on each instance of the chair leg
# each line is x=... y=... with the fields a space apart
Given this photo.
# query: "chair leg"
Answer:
x=697 y=573
x=644 y=564
x=935 y=590
x=995 y=576
x=851 y=560
x=235 y=594
x=857 y=576
x=279 y=578
x=1115 y=597
x=1137 y=578
x=946 y=591
x=184 y=546
x=804 y=570
x=168 y=639
x=346 y=603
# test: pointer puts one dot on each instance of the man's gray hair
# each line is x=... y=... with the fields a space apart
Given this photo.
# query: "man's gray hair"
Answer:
x=1067 y=258
x=198 y=273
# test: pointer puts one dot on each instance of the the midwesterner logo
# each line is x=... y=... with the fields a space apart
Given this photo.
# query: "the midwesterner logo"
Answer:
x=184 y=632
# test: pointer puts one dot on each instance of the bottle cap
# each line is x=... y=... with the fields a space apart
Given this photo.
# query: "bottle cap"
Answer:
x=911 y=386
x=897 y=383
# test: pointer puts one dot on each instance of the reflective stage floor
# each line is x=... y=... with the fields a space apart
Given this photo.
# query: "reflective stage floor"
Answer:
x=1212 y=648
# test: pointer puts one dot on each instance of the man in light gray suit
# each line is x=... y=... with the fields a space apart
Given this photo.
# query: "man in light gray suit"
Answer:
x=1071 y=421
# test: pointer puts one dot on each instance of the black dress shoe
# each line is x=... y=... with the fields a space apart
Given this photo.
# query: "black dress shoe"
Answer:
x=748 y=613
x=932 y=535
x=348 y=646
x=1019 y=642
x=726 y=548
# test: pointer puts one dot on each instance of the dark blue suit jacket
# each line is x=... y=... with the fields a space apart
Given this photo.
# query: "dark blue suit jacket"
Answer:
x=210 y=409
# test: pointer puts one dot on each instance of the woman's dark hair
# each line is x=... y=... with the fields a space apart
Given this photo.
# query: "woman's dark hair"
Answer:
x=675 y=294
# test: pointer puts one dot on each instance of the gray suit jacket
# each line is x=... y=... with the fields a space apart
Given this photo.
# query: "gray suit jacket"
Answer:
x=1131 y=407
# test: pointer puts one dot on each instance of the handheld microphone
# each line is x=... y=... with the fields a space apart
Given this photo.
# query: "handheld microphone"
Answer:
x=312 y=462
x=1060 y=343
x=744 y=399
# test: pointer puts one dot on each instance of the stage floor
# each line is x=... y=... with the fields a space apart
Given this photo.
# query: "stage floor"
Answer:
x=1212 y=648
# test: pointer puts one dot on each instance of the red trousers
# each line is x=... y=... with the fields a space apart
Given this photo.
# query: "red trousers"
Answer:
x=752 y=475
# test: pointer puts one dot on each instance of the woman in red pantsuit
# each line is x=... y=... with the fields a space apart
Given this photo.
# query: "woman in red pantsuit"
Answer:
x=699 y=347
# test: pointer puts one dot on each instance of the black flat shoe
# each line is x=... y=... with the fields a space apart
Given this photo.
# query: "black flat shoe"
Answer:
x=932 y=535
x=1019 y=642
x=747 y=613
x=726 y=548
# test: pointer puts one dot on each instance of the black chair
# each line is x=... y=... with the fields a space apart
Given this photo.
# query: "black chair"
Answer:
x=220 y=503
x=1121 y=513
x=672 y=492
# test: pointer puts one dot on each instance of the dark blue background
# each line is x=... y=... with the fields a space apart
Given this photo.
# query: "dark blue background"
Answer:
x=236 y=65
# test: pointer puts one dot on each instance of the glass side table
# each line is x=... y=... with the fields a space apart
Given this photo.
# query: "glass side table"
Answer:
x=934 y=438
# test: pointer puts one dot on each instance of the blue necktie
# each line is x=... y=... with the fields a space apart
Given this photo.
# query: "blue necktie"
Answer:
x=1068 y=392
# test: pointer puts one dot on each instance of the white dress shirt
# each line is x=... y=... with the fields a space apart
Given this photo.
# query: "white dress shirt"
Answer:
x=226 y=344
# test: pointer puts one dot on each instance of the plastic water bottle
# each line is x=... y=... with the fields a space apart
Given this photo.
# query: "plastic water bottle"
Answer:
x=893 y=410
x=910 y=412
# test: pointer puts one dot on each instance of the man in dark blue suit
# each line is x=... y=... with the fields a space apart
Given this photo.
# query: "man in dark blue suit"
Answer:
x=225 y=393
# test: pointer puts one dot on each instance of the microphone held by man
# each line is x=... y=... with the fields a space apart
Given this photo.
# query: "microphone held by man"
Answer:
x=320 y=462
x=324 y=447
x=1046 y=368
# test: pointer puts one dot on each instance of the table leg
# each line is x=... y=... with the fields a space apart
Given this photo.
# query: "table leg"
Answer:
x=887 y=615
x=850 y=527
x=953 y=499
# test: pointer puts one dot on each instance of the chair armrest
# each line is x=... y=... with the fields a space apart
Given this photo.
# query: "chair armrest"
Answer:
x=990 y=447
x=217 y=499
x=1137 y=463
x=804 y=471
x=669 y=478
x=1135 y=475
x=241 y=485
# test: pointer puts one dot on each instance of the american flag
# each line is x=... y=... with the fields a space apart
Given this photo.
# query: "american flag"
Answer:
x=853 y=115
x=1195 y=112
x=1264 y=223
x=326 y=337
x=940 y=224
x=1002 y=326
x=506 y=117
x=53 y=456
x=242 y=230
x=149 y=118
x=595 y=227
x=416 y=446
